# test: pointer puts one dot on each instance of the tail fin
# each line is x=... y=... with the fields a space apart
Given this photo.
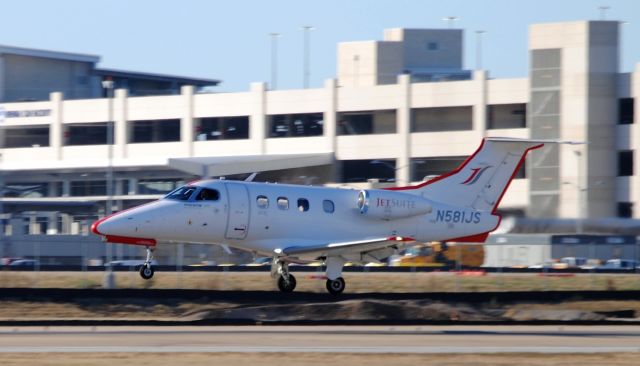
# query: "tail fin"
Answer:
x=481 y=181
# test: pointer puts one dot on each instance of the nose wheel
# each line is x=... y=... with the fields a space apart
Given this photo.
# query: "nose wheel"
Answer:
x=146 y=271
x=280 y=272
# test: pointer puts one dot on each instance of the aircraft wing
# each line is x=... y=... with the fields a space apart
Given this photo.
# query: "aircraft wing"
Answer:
x=348 y=247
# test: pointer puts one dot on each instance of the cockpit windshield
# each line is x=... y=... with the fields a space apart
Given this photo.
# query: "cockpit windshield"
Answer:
x=182 y=193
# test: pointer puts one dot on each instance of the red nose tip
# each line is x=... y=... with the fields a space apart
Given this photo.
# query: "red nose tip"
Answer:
x=94 y=226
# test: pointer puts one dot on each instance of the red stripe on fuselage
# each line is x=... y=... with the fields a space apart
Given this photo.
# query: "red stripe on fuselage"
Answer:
x=130 y=240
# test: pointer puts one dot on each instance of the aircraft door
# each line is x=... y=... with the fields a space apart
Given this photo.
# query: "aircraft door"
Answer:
x=238 y=219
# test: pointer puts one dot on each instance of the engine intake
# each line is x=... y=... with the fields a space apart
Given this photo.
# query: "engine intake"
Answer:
x=390 y=205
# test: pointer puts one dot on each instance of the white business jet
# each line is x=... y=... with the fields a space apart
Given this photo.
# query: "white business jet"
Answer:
x=300 y=224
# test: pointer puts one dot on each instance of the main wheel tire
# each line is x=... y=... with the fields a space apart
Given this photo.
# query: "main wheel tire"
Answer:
x=286 y=285
x=146 y=272
x=336 y=287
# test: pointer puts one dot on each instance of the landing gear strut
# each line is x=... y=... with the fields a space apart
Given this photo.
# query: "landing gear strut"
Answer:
x=280 y=272
x=146 y=271
x=335 y=283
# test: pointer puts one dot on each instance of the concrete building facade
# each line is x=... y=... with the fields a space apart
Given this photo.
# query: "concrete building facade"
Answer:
x=404 y=111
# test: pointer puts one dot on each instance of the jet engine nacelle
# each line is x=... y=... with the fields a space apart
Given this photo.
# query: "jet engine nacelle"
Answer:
x=390 y=205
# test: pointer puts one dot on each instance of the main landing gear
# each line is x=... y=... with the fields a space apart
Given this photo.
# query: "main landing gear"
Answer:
x=280 y=272
x=146 y=271
x=335 y=282
x=287 y=282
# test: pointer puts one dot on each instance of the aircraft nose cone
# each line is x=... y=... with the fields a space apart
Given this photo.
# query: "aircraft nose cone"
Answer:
x=95 y=226
x=115 y=224
x=105 y=226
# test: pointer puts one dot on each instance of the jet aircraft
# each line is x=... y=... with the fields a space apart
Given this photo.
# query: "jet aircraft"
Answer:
x=300 y=224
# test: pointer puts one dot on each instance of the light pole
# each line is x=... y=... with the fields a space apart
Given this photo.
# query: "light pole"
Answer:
x=603 y=11
x=274 y=60
x=108 y=85
x=450 y=20
x=479 y=34
x=306 y=73
x=356 y=69
x=581 y=193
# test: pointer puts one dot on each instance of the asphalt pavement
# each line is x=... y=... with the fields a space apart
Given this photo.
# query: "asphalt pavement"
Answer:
x=322 y=339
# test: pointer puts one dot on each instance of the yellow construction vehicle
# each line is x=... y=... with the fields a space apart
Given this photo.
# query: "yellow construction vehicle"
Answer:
x=438 y=254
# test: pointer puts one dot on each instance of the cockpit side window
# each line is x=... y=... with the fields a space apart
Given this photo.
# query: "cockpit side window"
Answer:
x=182 y=193
x=207 y=194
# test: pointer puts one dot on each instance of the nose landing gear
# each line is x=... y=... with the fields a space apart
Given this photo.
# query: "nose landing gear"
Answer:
x=146 y=271
x=280 y=271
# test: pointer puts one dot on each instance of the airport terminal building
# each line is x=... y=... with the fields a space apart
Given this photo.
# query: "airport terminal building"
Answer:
x=400 y=109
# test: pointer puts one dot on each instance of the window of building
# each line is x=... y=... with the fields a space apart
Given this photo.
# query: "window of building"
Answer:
x=428 y=168
x=442 y=119
x=328 y=206
x=27 y=190
x=625 y=209
x=296 y=125
x=363 y=170
x=223 y=128
x=303 y=205
x=367 y=122
x=262 y=202
x=625 y=163
x=157 y=186
x=87 y=134
x=625 y=111
x=207 y=194
x=26 y=137
x=88 y=188
x=283 y=203
x=182 y=193
x=164 y=130
x=432 y=46
x=507 y=116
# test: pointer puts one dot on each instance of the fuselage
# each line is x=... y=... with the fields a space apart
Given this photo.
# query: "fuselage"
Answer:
x=264 y=217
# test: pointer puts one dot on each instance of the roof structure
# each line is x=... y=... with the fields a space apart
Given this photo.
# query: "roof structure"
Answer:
x=230 y=165
x=32 y=52
x=155 y=77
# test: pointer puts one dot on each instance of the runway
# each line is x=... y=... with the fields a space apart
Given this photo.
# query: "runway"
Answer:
x=322 y=339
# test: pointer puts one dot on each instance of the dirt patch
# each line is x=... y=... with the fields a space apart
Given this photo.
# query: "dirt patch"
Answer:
x=366 y=310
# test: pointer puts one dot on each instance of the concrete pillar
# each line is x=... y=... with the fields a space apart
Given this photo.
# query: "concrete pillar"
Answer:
x=330 y=126
x=480 y=107
x=330 y=123
x=403 y=162
x=133 y=186
x=52 y=223
x=121 y=130
x=66 y=188
x=635 y=142
x=51 y=189
x=186 y=122
x=258 y=119
x=117 y=187
x=55 y=129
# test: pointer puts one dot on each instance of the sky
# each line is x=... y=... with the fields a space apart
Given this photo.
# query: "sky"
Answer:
x=229 y=39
